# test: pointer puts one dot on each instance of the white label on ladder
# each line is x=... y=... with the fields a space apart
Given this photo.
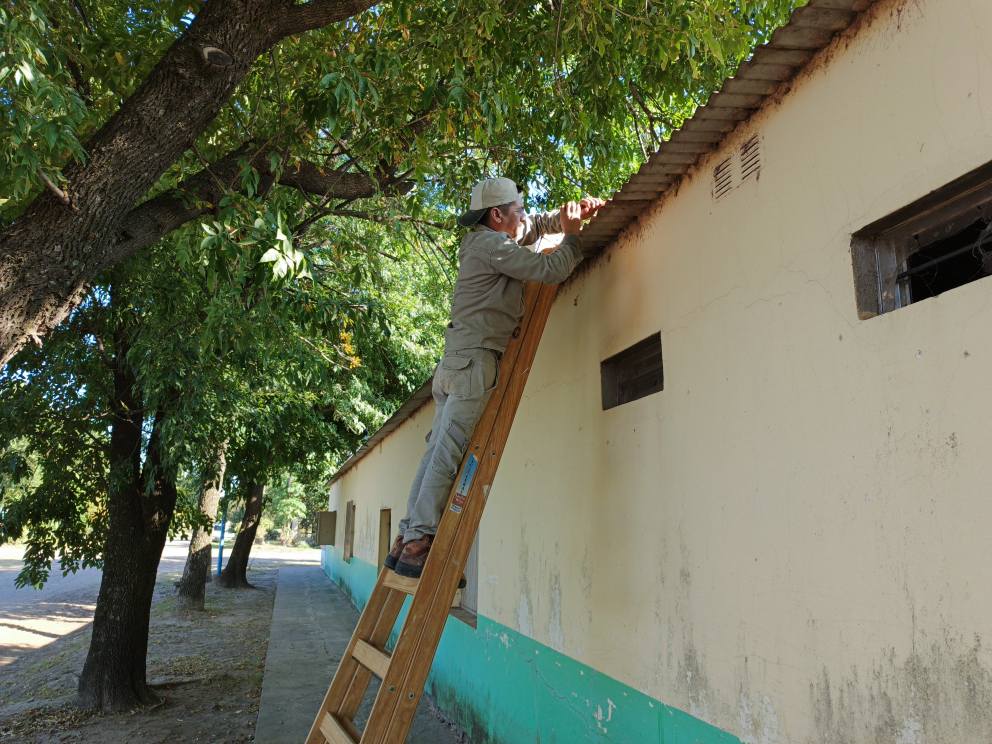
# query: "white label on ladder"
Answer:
x=461 y=493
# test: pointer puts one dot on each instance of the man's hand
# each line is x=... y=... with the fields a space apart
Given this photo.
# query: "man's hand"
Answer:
x=570 y=214
x=590 y=205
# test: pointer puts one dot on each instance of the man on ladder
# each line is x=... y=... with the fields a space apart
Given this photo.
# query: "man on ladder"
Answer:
x=487 y=305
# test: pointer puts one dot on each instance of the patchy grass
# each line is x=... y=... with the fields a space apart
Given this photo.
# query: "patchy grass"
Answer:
x=206 y=666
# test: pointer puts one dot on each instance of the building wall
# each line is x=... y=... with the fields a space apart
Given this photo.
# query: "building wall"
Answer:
x=789 y=542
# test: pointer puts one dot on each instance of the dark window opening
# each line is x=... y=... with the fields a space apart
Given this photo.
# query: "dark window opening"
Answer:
x=633 y=373
x=385 y=533
x=327 y=526
x=349 y=532
x=949 y=263
x=934 y=245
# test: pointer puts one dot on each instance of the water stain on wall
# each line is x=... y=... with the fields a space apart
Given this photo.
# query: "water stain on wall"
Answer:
x=556 y=633
x=525 y=605
x=941 y=692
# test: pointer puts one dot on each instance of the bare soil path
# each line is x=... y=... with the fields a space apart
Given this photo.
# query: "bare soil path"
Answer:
x=207 y=667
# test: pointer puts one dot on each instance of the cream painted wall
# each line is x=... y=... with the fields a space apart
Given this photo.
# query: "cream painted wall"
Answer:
x=381 y=480
x=791 y=540
x=795 y=531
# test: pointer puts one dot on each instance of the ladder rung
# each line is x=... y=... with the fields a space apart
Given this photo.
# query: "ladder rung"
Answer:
x=334 y=732
x=409 y=586
x=371 y=658
x=401 y=583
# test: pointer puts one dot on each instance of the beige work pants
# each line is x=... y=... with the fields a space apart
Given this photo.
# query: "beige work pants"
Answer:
x=463 y=382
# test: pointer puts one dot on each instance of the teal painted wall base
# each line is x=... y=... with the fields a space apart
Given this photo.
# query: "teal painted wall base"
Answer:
x=504 y=688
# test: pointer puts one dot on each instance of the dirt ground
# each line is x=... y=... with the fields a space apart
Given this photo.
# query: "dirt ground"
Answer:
x=207 y=668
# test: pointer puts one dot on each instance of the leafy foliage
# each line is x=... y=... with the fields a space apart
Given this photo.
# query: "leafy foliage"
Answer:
x=569 y=96
x=44 y=112
x=53 y=411
x=291 y=374
x=289 y=323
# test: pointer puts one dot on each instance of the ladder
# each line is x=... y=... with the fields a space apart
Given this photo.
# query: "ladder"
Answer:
x=404 y=671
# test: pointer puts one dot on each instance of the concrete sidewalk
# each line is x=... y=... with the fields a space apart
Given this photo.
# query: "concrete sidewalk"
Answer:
x=312 y=621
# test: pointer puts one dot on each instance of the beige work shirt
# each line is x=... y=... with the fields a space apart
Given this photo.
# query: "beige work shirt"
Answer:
x=487 y=303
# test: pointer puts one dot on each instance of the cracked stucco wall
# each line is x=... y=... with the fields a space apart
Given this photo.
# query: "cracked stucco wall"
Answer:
x=790 y=541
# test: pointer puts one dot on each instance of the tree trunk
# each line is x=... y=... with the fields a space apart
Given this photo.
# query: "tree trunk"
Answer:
x=113 y=677
x=60 y=243
x=235 y=573
x=191 y=591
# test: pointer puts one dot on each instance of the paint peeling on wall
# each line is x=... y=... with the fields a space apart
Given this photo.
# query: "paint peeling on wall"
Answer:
x=693 y=683
x=759 y=723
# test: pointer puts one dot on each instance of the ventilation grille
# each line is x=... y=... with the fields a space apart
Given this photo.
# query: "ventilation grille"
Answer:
x=751 y=159
x=743 y=165
x=723 y=178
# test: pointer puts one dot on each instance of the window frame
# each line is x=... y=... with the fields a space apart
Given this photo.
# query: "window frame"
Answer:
x=327 y=527
x=880 y=250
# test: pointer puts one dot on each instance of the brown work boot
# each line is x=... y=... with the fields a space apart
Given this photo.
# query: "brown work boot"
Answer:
x=414 y=557
x=394 y=553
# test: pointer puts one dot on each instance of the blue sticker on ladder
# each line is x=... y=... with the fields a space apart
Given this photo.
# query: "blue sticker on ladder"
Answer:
x=471 y=465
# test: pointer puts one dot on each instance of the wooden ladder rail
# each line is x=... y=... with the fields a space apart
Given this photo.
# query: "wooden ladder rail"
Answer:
x=404 y=672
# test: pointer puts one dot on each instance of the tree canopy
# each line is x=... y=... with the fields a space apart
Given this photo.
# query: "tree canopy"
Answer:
x=126 y=120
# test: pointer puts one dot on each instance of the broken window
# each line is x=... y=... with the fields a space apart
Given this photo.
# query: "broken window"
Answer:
x=633 y=373
x=933 y=245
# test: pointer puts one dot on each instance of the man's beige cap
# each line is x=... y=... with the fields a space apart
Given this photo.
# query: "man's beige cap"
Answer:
x=486 y=194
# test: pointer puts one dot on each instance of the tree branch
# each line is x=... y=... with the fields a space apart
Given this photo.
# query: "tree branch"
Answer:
x=83 y=16
x=313 y=179
x=48 y=255
x=316 y=14
x=199 y=194
x=50 y=185
x=387 y=218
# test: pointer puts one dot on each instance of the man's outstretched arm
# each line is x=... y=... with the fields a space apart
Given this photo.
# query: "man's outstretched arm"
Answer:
x=548 y=268
x=534 y=226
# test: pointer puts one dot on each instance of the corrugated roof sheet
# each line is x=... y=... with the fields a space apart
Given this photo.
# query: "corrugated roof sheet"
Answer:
x=810 y=29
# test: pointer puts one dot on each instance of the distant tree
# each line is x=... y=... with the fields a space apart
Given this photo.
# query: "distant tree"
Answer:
x=235 y=573
x=289 y=507
x=191 y=591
